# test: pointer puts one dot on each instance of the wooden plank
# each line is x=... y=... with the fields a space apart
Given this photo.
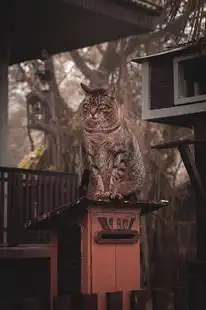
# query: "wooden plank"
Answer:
x=45 y=194
x=40 y=204
x=63 y=302
x=49 y=193
x=33 y=208
x=69 y=190
x=200 y=154
x=115 y=301
x=31 y=304
x=6 y=304
x=19 y=210
x=89 y=302
x=29 y=193
x=138 y=299
x=61 y=191
x=180 y=298
x=79 y=301
x=102 y=267
x=27 y=204
x=26 y=200
x=3 y=182
x=26 y=251
x=11 y=215
x=39 y=194
x=56 y=192
x=53 y=267
x=127 y=279
x=159 y=299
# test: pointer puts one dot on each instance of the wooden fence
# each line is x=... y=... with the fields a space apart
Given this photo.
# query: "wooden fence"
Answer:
x=25 y=194
x=157 y=299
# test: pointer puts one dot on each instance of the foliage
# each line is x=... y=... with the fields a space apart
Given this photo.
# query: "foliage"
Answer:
x=32 y=159
x=186 y=19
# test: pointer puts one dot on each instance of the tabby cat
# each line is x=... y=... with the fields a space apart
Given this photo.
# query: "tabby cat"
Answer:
x=111 y=148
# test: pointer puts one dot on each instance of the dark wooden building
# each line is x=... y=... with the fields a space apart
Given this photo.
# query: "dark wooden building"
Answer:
x=174 y=92
x=174 y=88
x=64 y=25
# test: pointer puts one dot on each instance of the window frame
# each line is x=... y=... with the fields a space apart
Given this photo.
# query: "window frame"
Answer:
x=180 y=100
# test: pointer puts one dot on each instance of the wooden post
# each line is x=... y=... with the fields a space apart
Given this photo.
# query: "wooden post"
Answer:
x=197 y=280
x=53 y=269
x=200 y=156
x=4 y=61
x=4 y=156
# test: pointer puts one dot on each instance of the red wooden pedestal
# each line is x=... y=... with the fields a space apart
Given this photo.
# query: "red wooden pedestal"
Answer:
x=95 y=247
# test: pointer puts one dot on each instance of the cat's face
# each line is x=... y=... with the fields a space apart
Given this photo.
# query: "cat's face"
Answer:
x=100 y=109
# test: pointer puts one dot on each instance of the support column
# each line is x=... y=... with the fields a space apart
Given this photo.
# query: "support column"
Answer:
x=200 y=159
x=4 y=61
x=197 y=269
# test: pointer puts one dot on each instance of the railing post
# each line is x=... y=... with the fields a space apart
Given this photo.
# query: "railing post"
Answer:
x=63 y=303
x=115 y=301
x=139 y=299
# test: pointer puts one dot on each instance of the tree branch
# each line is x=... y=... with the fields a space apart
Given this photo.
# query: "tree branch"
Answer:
x=34 y=91
x=43 y=127
x=81 y=65
x=100 y=49
x=55 y=89
x=110 y=61
x=172 y=28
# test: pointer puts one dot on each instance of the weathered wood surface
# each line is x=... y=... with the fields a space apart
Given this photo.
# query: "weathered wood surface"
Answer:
x=25 y=194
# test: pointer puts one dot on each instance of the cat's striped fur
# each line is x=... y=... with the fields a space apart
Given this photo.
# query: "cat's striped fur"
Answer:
x=111 y=148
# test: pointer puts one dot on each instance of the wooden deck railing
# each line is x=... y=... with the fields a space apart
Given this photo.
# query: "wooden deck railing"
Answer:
x=25 y=194
x=157 y=299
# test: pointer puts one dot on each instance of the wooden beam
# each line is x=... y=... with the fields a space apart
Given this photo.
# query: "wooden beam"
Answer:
x=4 y=60
x=189 y=162
x=26 y=251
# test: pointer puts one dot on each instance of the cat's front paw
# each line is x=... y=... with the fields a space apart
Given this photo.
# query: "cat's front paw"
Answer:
x=119 y=195
x=98 y=194
x=108 y=194
x=116 y=195
x=113 y=195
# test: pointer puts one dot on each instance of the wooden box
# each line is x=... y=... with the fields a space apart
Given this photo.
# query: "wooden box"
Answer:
x=95 y=245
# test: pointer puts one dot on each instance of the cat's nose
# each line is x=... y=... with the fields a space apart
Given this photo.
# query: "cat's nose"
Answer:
x=94 y=116
x=93 y=112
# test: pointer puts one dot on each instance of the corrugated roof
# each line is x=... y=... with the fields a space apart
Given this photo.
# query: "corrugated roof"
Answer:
x=170 y=51
x=65 y=25
x=146 y=4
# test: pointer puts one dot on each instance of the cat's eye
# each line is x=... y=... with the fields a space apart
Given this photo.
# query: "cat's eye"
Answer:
x=85 y=107
x=106 y=108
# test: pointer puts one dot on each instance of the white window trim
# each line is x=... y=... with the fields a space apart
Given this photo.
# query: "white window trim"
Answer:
x=177 y=84
x=146 y=81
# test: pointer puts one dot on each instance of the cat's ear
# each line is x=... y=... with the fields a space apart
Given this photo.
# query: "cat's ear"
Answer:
x=86 y=89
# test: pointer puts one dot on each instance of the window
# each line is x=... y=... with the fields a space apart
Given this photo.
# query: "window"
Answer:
x=189 y=79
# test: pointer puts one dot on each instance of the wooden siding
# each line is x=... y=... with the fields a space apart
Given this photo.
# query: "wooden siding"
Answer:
x=161 y=83
x=26 y=194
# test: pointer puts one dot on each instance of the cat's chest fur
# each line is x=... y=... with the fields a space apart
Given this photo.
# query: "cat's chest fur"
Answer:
x=103 y=146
